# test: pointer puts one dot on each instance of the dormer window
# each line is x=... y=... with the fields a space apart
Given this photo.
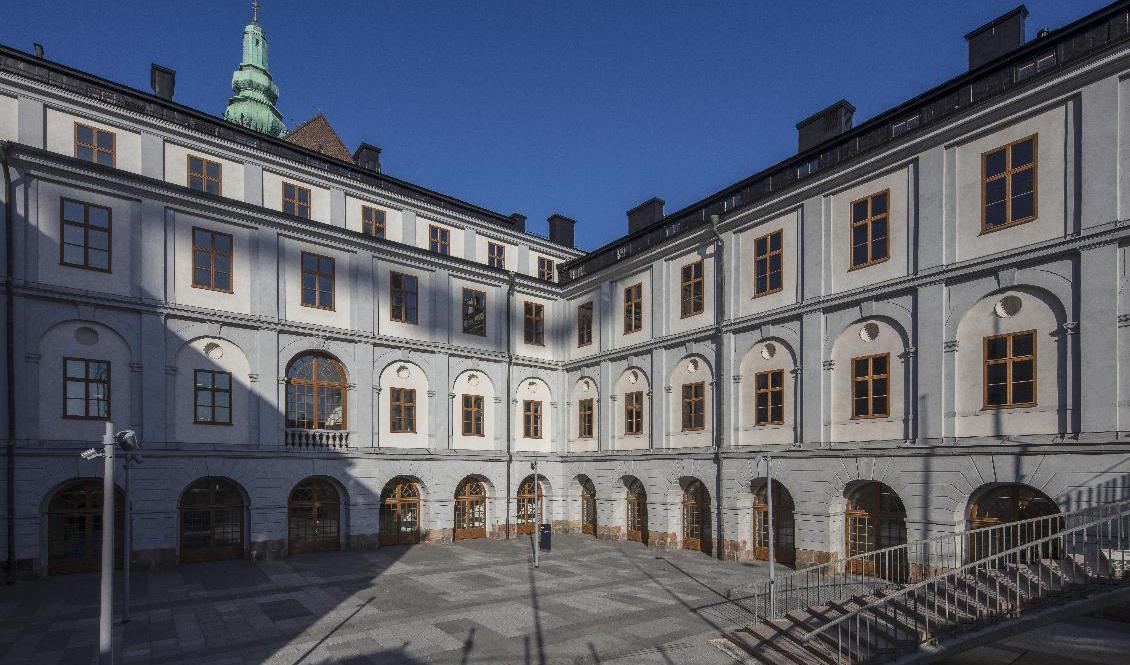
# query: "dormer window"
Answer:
x=906 y=124
x=1035 y=66
x=808 y=168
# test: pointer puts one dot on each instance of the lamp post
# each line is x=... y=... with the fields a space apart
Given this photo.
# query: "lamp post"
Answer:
x=772 y=536
x=537 y=514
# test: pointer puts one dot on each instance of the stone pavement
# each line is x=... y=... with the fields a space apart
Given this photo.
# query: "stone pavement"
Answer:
x=473 y=602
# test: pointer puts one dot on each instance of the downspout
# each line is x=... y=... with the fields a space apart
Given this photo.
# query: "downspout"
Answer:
x=506 y=398
x=10 y=360
x=719 y=379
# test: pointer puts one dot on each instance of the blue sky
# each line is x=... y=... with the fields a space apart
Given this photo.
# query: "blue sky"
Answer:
x=582 y=108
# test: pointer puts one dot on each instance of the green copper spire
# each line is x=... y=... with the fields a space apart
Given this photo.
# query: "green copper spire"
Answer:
x=253 y=105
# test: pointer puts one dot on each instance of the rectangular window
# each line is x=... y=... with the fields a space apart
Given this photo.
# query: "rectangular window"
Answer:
x=903 y=126
x=373 y=221
x=870 y=380
x=402 y=410
x=694 y=406
x=545 y=268
x=474 y=312
x=531 y=419
x=691 y=289
x=1008 y=185
x=584 y=324
x=768 y=258
x=1010 y=370
x=403 y=296
x=496 y=255
x=204 y=175
x=473 y=415
x=86 y=388
x=1035 y=66
x=534 y=327
x=869 y=229
x=633 y=413
x=95 y=145
x=585 y=419
x=211 y=260
x=317 y=281
x=633 y=308
x=86 y=235
x=439 y=239
x=769 y=388
x=212 y=403
x=296 y=200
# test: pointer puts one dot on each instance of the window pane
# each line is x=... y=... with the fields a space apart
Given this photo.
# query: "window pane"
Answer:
x=1022 y=207
x=84 y=134
x=994 y=215
x=859 y=211
x=72 y=211
x=1022 y=153
x=996 y=374
x=996 y=348
x=879 y=365
x=73 y=254
x=105 y=158
x=761 y=245
x=1022 y=344
x=105 y=141
x=85 y=153
x=996 y=395
x=775 y=241
x=878 y=204
x=1022 y=370
x=860 y=367
x=213 y=170
x=994 y=163
x=1022 y=183
x=309 y=262
x=98 y=239
x=97 y=258
x=1022 y=393
x=879 y=405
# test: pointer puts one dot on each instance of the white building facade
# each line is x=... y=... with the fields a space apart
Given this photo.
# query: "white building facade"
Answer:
x=923 y=319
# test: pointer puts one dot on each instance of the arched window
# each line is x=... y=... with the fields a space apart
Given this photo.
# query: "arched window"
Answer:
x=211 y=521
x=1016 y=508
x=74 y=528
x=315 y=393
x=314 y=523
x=875 y=519
x=588 y=507
x=637 y=511
x=784 y=528
x=470 y=510
x=400 y=513
x=696 y=518
x=526 y=507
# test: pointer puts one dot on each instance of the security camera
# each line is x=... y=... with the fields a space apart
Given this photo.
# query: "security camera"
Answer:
x=127 y=440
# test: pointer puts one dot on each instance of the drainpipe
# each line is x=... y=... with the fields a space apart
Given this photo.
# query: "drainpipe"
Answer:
x=10 y=359
x=506 y=397
x=719 y=378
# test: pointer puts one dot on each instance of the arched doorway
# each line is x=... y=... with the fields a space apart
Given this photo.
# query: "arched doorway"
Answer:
x=470 y=510
x=525 y=512
x=588 y=507
x=74 y=528
x=211 y=521
x=314 y=517
x=696 y=518
x=400 y=513
x=1013 y=504
x=784 y=528
x=875 y=519
x=315 y=393
x=637 y=511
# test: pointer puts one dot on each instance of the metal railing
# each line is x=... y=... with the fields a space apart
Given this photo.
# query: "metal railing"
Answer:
x=897 y=566
x=316 y=438
x=1002 y=583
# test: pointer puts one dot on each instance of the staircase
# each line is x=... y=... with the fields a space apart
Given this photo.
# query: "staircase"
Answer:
x=919 y=599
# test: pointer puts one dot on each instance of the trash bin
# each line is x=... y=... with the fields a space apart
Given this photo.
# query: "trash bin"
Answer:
x=546 y=537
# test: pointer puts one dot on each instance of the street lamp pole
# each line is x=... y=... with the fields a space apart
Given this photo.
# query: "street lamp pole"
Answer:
x=127 y=528
x=106 y=603
x=772 y=536
x=537 y=516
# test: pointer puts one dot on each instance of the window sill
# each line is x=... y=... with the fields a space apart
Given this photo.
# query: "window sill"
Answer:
x=986 y=230
x=324 y=309
x=863 y=266
x=106 y=271
x=215 y=290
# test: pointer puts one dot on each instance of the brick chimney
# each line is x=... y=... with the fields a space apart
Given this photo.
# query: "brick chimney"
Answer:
x=823 y=125
x=368 y=157
x=997 y=37
x=519 y=221
x=561 y=229
x=163 y=80
x=645 y=214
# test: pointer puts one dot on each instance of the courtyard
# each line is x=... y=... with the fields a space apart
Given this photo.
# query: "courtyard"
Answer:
x=468 y=602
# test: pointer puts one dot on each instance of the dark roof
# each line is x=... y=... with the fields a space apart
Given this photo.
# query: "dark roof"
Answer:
x=317 y=135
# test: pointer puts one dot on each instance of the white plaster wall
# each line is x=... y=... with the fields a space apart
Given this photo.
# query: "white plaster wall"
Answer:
x=850 y=345
x=9 y=119
x=619 y=339
x=982 y=321
x=474 y=382
x=402 y=374
x=293 y=310
x=61 y=342
x=239 y=300
x=273 y=195
x=675 y=321
x=61 y=139
x=194 y=355
x=843 y=278
x=176 y=169
x=691 y=369
x=48 y=218
x=781 y=357
x=1050 y=128
x=585 y=388
x=534 y=389
x=393 y=228
x=748 y=303
x=631 y=380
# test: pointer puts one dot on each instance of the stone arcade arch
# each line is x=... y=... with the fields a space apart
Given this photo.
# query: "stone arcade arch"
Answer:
x=875 y=519
x=314 y=517
x=696 y=518
x=636 y=498
x=212 y=517
x=470 y=509
x=525 y=509
x=74 y=527
x=1013 y=504
x=588 y=506
x=400 y=512
x=316 y=396
x=784 y=526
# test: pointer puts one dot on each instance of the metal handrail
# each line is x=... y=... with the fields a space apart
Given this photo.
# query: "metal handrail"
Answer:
x=1115 y=514
x=909 y=561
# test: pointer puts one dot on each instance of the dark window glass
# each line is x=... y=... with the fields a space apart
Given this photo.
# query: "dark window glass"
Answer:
x=212 y=403
x=474 y=312
x=86 y=388
x=211 y=260
x=85 y=235
x=403 y=296
x=317 y=281
x=204 y=175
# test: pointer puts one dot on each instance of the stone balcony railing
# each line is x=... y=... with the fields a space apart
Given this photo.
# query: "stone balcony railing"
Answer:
x=317 y=438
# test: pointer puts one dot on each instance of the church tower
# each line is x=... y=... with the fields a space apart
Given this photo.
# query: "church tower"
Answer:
x=253 y=104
